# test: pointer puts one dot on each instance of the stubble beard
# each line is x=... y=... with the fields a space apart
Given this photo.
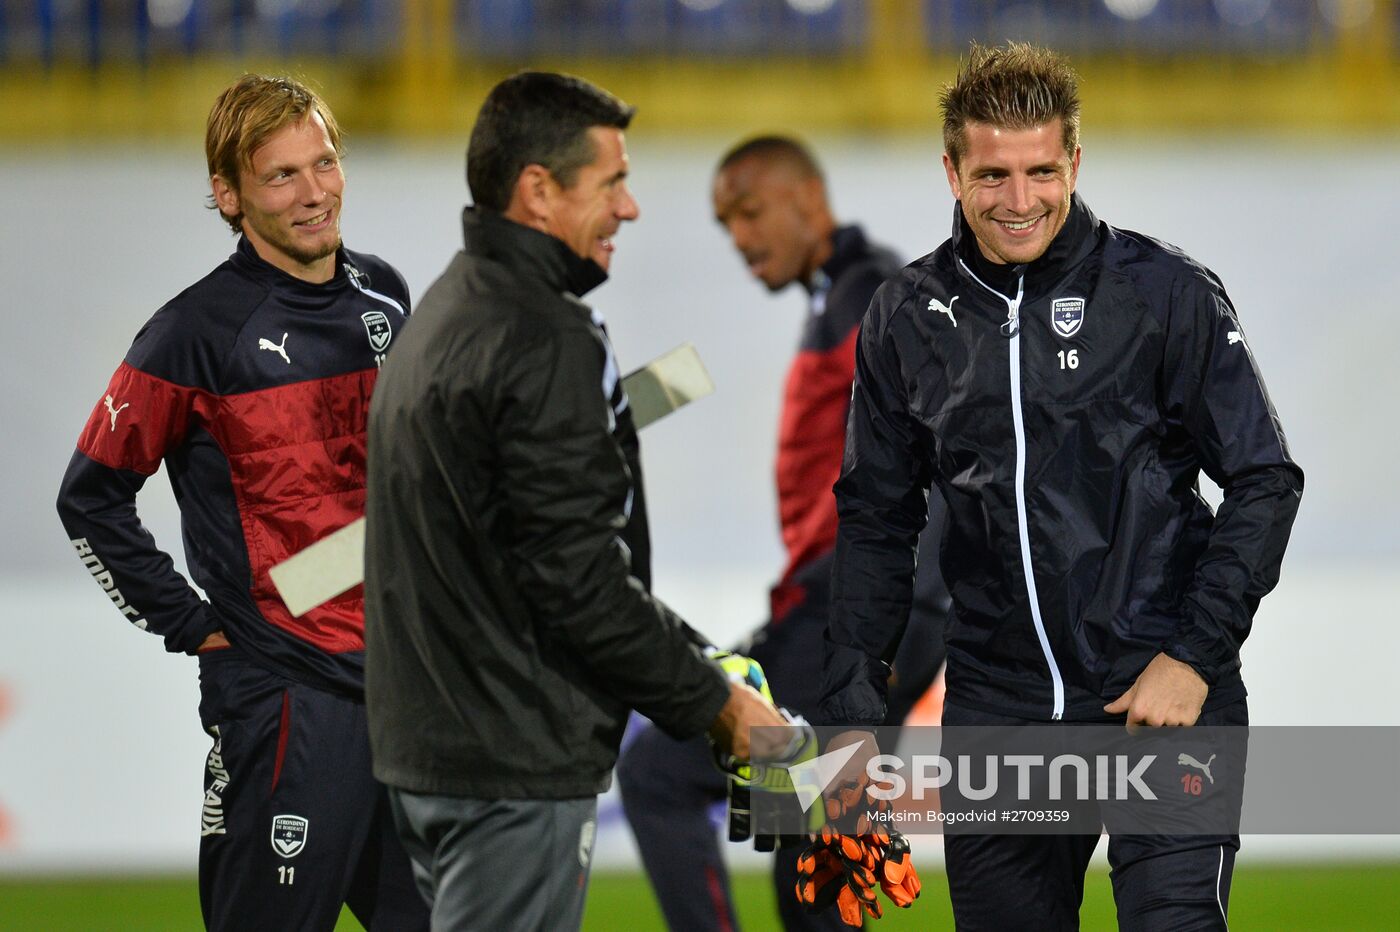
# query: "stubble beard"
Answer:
x=308 y=257
x=284 y=242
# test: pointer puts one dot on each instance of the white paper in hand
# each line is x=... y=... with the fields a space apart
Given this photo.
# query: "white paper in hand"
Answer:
x=332 y=565
x=668 y=382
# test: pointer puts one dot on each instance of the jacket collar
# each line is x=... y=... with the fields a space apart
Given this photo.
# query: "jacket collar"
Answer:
x=1070 y=246
x=529 y=252
x=289 y=288
x=848 y=246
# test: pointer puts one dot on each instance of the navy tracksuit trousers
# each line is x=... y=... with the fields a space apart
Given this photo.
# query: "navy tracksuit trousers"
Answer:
x=1161 y=883
x=294 y=825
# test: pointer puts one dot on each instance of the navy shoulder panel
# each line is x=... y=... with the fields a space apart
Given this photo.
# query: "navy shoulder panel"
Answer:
x=1157 y=269
x=933 y=275
x=186 y=340
x=1146 y=257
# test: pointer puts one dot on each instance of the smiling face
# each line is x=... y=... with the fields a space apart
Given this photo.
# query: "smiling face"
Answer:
x=290 y=198
x=587 y=214
x=1015 y=187
x=775 y=216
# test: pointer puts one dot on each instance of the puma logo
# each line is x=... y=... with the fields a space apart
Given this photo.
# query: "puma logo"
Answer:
x=936 y=305
x=1186 y=760
x=114 y=411
x=279 y=348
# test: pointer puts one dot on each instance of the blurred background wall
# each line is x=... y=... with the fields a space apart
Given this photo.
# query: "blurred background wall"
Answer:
x=1260 y=135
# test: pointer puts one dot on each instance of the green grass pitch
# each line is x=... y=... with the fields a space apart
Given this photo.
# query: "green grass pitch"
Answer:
x=1320 y=898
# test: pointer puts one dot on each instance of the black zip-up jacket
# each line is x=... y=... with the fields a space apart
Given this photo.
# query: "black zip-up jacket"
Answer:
x=507 y=633
x=1064 y=410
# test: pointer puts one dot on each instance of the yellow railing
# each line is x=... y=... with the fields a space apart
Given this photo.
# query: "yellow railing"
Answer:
x=427 y=91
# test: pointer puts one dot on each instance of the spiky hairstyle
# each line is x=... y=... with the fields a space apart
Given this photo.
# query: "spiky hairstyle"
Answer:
x=1012 y=86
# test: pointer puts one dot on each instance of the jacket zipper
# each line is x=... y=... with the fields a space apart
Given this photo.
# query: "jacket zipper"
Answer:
x=1012 y=329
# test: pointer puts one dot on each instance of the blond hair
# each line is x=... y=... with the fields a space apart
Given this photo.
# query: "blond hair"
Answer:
x=1015 y=86
x=247 y=114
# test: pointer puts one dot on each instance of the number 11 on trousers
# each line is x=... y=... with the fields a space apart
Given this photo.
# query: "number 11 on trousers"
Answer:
x=286 y=875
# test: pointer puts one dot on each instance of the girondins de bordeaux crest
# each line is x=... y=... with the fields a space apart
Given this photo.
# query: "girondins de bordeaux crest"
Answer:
x=1067 y=314
x=377 y=326
x=288 y=835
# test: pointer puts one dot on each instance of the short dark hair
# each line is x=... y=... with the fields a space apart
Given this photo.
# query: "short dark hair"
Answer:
x=775 y=148
x=536 y=118
x=1013 y=86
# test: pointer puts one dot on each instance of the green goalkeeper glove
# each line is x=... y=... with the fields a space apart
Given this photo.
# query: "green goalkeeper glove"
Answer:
x=741 y=669
x=772 y=778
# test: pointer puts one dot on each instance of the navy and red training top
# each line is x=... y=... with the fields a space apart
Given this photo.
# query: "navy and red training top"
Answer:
x=816 y=399
x=253 y=387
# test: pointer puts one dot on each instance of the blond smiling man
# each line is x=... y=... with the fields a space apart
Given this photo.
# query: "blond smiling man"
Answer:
x=252 y=386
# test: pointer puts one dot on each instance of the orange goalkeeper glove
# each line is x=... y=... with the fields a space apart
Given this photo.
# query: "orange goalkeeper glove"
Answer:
x=846 y=869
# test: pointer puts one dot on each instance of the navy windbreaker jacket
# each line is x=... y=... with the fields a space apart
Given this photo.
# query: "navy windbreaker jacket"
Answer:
x=1064 y=410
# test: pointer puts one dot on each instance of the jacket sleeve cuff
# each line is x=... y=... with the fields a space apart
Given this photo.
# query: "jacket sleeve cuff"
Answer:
x=1201 y=642
x=696 y=717
x=1182 y=653
x=186 y=637
x=854 y=687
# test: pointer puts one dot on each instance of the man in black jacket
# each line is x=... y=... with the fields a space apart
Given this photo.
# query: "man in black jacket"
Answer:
x=509 y=625
x=1062 y=383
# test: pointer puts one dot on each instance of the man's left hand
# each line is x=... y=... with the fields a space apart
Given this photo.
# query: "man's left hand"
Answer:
x=1167 y=693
